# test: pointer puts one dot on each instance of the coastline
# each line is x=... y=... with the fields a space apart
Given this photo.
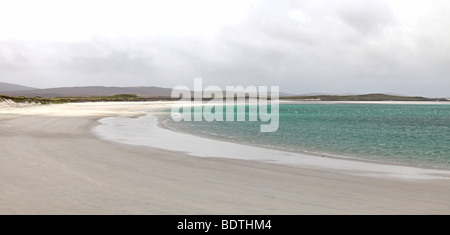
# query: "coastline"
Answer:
x=141 y=131
x=54 y=164
x=407 y=160
x=364 y=102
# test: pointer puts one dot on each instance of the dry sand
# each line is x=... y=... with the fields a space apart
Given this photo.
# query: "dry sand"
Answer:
x=52 y=163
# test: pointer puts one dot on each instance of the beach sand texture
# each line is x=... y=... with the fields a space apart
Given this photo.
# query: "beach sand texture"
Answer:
x=52 y=163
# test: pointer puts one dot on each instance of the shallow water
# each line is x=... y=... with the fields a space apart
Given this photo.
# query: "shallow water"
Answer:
x=415 y=135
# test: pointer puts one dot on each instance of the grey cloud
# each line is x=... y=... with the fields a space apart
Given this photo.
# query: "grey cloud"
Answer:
x=106 y=60
x=336 y=48
x=366 y=16
x=13 y=56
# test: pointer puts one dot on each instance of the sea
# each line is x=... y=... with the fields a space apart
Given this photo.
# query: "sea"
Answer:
x=401 y=134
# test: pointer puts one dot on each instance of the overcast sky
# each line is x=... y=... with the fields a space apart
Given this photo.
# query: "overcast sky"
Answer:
x=310 y=46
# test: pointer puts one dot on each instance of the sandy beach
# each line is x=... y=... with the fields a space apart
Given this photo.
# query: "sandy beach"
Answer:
x=51 y=162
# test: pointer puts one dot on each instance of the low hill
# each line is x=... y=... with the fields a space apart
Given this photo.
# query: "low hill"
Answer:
x=92 y=91
x=366 y=97
x=13 y=87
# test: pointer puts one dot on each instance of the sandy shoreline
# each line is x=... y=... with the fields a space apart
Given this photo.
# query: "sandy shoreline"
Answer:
x=146 y=131
x=51 y=163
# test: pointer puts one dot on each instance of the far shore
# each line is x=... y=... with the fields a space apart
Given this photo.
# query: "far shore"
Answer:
x=292 y=101
x=53 y=163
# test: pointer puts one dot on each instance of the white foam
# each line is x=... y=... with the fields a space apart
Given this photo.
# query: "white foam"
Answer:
x=144 y=131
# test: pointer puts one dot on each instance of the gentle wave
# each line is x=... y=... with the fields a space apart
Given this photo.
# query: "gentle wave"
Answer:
x=414 y=135
x=145 y=131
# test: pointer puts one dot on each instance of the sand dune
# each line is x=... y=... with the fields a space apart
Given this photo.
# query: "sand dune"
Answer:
x=6 y=104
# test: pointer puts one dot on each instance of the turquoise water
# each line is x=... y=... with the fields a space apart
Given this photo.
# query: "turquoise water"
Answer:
x=416 y=135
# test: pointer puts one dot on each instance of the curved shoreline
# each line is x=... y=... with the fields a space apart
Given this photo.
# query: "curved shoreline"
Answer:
x=145 y=131
x=51 y=163
x=404 y=161
x=161 y=124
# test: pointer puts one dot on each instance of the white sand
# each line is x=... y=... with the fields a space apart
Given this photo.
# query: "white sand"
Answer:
x=52 y=163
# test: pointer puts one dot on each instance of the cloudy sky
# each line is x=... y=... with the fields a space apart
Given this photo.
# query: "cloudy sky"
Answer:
x=304 y=46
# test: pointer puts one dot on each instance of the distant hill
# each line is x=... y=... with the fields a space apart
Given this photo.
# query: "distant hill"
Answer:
x=13 y=87
x=366 y=97
x=159 y=92
x=283 y=94
x=92 y=91
x=89 y=91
